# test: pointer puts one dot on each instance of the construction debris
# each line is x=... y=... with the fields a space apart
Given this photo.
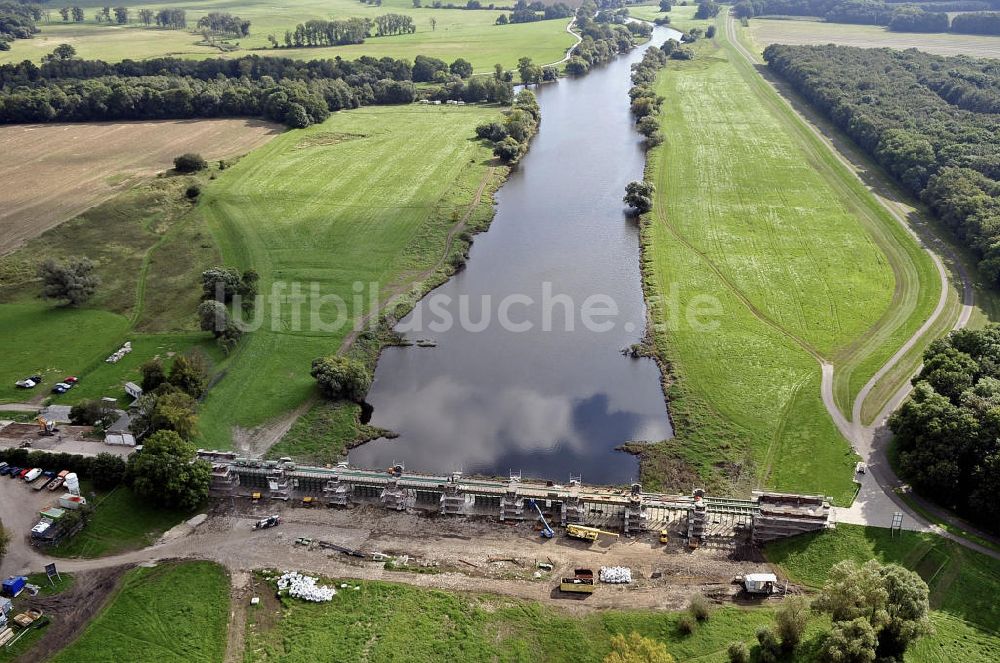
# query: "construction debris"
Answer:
x=304 y=587
x=617 y=575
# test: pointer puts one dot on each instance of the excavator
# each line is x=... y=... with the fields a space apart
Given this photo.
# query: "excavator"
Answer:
x=46 y=427
x=547 y=532
x=587 y=533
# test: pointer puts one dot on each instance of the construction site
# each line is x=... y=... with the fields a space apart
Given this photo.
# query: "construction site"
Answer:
x=699 y=518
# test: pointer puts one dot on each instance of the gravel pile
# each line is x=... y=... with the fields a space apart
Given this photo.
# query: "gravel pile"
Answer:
x=618 y=575
x=305 y=587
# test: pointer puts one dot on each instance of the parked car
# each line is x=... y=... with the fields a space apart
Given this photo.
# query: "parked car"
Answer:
x=26 y=383
x=13 y=471
x=23 y=473
x=32 y=474
x=61 y=388
x=71 y=379
x=4 y=468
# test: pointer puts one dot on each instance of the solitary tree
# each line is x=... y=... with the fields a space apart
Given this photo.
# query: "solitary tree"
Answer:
x=791 y=620
x=153 y=375
x=61 y=52
x=340 y=377
x=167 y=473
x=190 y=163
x=73 y=280
x=639 y=196
x=461 y=68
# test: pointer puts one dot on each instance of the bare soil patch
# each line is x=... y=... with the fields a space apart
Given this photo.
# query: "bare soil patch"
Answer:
x=72 y=610
x=55 y=171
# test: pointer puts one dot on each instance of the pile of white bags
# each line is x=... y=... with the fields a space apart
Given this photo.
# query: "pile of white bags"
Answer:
x=304 y=587
x=618 y=575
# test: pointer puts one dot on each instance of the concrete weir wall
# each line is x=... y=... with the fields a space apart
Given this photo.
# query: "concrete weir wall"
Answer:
x=767 y=516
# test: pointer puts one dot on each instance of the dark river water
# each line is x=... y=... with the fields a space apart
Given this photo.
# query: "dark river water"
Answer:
x=533 y=379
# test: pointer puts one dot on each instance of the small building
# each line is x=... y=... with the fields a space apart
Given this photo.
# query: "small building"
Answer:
x=133 y=390
x=760 y=583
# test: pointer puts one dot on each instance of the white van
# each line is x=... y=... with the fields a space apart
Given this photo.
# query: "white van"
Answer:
x=33 y=474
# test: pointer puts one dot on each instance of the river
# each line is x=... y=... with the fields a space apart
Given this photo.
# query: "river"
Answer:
x=556 y=399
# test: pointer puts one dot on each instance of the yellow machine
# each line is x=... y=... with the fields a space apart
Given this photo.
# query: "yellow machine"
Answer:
x=664 y=538
x=45 y=427
x=255 y=497
x=308 y=501
x=587 y=533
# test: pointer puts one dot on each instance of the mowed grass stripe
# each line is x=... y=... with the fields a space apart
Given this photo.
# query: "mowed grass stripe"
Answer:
x=917 y=283
x=368 y=196
x=741 y=193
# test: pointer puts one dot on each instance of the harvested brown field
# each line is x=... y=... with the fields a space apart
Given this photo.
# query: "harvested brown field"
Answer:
x=55 y=171
x=766 y=31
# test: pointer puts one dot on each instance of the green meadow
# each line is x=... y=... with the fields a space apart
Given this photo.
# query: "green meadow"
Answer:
x=148 y=295
x=455 y=33
x=390 y=622
x=174 y=612
x=751 y=212
x=368 y=196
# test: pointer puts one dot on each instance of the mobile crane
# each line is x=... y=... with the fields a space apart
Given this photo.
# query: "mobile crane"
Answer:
x=547 y=531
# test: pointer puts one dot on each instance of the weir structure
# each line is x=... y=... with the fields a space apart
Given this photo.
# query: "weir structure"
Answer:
x=765 y=517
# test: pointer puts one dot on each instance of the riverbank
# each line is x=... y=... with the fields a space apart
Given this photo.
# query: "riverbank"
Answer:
x=803 y=269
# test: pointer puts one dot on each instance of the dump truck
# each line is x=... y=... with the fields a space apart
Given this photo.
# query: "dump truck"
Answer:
x=582 y=582
x=587 y=533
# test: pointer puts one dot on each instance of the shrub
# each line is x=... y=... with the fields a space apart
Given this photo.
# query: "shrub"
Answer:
x=698 y=607
x=738 y=653
x=340 y=377
x=193 y=191
x=791 y=621
x=685 y=625
x=189 y=163
x=769 y=647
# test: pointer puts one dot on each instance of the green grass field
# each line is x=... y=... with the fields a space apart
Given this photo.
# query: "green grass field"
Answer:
x=963 y=583
x=121 y=521
x=767 y=31
x=390 y=622
x=366 y=197
x=457 y=33
x=173 y=613
x=804 y=263
x=148 y=294
x=324 y=434
x=681 y=17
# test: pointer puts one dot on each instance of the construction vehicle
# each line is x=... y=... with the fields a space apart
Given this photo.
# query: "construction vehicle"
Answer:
x=46 y=427
x=587 y=533
x=303 y=541
x=664 y=536
x=582 y=582
x=547 y=531
x=266 y=523
x=255 y=497
x=308 y=501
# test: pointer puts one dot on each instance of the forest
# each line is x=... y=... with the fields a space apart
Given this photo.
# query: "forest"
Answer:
x=948 y=434
x=17 y=21
x=292 y=92
x=932 y=122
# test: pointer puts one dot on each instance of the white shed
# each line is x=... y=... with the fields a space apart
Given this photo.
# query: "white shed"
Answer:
x=133 y=390
x=760 y=583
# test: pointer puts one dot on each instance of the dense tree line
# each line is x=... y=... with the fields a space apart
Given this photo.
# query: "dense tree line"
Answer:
x=978 y=23
x=17 y=21
x=223 y=23
x=933 y=122
x=948 y=434
x=645 y=102
x=394 y=24
x=897 y=16
x=329 y=33
x=174 y=19
x=293 y=92
x=511 y=136
x=536 y=11
x=600 y=41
